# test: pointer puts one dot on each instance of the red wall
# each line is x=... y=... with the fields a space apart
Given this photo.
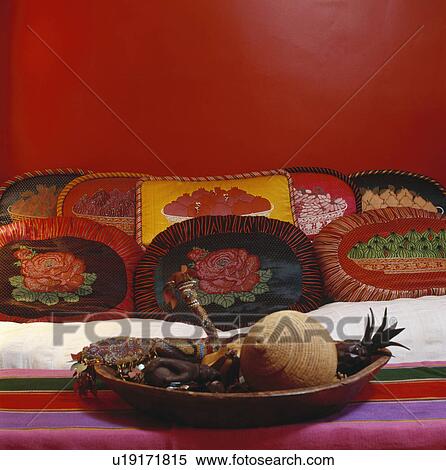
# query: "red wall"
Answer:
x=224 y=86
x=5 y=49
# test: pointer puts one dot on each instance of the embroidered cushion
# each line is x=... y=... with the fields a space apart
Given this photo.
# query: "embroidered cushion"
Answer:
x=164 y=201
x=388 y=188
x=384 y=254
x=107 y=198
x=246 y=267
x=321 y=195
x=33 y=195
x=65 y=269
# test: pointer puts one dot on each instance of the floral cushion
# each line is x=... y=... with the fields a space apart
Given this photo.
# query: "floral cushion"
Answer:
x=383 y=254
x=245 y=267
x=389 y=188
x=162 y=201
x=107 y=198
x=321 y=195
x=33 y=195
x=65 y=269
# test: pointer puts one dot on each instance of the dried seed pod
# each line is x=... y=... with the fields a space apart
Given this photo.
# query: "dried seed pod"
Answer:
x=430 y=207
x=392 y=201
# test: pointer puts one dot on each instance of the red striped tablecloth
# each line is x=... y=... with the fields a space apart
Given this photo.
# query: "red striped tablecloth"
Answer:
x=405 y=407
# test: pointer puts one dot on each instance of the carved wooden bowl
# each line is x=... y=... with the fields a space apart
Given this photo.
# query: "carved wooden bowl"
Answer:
x=233 y=410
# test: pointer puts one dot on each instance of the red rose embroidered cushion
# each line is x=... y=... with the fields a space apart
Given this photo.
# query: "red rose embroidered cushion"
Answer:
x=33 y=195
x=321 y=195
x=245 y=268
x=383 y=254
x=107 y=198
x=51 y=271
x=164 y=201
x=65 y=269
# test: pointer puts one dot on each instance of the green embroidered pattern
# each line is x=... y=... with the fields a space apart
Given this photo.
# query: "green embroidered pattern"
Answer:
x=413 y=244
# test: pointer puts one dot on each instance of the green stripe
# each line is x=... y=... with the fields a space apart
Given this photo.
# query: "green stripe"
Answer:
x=40 y=384
x=57 y=384
x=415 y=373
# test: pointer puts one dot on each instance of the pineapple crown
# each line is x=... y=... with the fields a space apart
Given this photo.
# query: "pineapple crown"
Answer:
x=373 y=341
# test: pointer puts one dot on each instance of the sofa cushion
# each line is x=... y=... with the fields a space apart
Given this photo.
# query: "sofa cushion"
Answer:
x=107 y=198
x=162 y=201
x=321 y=195
x=65 y=269
x=246 y=267
x=383 y=254
x=390 y=188
x=33 y=194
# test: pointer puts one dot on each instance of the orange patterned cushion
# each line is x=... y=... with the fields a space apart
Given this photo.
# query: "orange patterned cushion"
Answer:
x=384 y=254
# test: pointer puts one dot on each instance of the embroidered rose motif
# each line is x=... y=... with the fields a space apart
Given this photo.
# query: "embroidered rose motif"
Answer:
x=53 y=272
x=49 y=277
x=227 y=274
x=228 y=270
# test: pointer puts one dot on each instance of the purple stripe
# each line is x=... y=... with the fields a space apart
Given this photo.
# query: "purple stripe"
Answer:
x=382 y=411
x=392 y=411
x=56 y=419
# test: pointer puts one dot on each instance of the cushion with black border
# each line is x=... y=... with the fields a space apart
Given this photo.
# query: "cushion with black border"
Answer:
x=245 y=267
x=33 y=195
x=391 y=188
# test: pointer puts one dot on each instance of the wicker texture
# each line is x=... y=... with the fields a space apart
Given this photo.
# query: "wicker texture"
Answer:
x=287 y=350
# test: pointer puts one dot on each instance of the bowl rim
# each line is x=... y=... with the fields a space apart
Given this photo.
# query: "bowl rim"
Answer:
x=250 y=214
x=103 y=371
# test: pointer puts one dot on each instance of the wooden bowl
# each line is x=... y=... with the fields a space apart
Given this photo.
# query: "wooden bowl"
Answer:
x=235 y=410
x=16 y=217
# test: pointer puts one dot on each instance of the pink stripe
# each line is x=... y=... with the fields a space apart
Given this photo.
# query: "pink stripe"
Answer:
x=34 y=373
x=416 y=364
x=426 y=434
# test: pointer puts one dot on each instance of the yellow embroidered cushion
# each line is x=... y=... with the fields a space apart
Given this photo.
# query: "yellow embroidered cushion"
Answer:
x=162 y=202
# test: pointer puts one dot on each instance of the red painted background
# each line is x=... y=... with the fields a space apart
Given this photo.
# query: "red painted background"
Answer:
x=215 y=87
